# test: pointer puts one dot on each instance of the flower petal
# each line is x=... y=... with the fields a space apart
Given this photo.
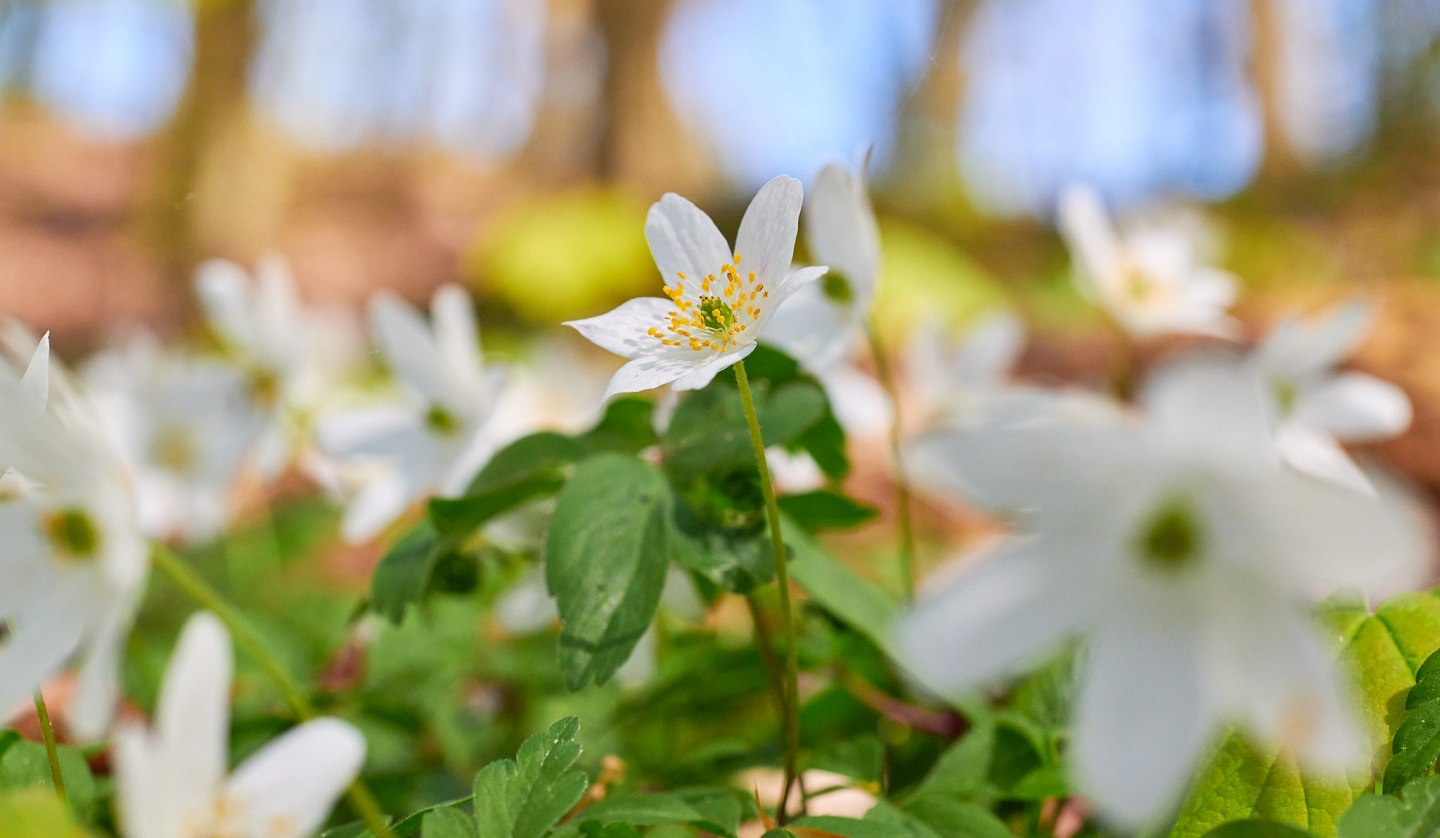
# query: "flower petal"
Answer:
x=36 y=380
x=294 y=781
x=699 y=376
x=841 y=231
x=1300 y=348
x=224 y=291
x=458 y=340
x=1144 y=716
x=766 y=241
x=1090 y=236
x=683 y=240
x=1210 y=407
x=1014 y=605
x=647 y=372
x=192 y=718
x=1314 y=452
x=622 y=329
x=1356 y=407
x=408 y=345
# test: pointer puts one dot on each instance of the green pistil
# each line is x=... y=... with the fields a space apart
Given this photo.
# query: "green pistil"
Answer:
x=72 y=533
x=175 y=448
x=1286 y=394
x=1171 y=538
x=837 y=286
x=441 y=420
x=716 y=314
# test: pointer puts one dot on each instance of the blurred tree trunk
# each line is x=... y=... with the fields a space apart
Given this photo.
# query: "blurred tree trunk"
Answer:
x=225 y=34
x=1280 y=161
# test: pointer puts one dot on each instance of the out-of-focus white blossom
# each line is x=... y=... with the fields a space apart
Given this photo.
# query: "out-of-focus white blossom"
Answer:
x=719 y=301
x=1151 y=275
x=1317 y=408
x=432 y=439
x=1185 y=552
x=74 y=559
x=171 y=780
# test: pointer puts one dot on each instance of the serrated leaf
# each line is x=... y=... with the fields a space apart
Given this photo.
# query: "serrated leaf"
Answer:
x=606 y=560
x=826 y=510
x=1417 y=741
x=1414 y=814
x=448 y=823
x=1383 y=650
x=642 y=809
x=526 y=796
x=1257 y=829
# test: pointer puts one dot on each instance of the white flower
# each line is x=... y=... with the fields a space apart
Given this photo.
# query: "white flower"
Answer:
x=1149 y=277
x=183 y=426
x=1318 y=408
x=1186 y=554
x=74 y=561
x=434 y=439
x=290 y=353
x=719 y=301
x=171 y=781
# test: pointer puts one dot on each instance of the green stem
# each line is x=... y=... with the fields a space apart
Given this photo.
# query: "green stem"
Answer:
x=790 y=715
x=247 y=639
x=52 y=753
x=902 y=481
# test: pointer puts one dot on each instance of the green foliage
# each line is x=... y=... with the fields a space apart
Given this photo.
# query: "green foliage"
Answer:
x=839 y=590
x=826 y=510
x=1415 y=813
x=448 y=823
x=24 y=764
x=1417 y=741
x=35 y=813
x=525 y=797
x=605 y=562
x=1253 y=828
x=433 y=553
x=1383 y=650
x=717 y=813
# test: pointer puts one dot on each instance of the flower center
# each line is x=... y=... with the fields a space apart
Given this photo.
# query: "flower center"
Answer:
x=175 y=448
x=1286 y=394
x=837 y=287
x=714 y=318
x=1171 y=537
x=440 y=420
x=73 y=534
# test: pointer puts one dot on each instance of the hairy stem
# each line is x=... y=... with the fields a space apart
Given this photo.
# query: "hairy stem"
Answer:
x=253 y=645
x=52 y=753
x=790 y=714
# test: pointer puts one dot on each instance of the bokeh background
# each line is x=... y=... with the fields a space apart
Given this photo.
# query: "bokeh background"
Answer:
x=515 y=144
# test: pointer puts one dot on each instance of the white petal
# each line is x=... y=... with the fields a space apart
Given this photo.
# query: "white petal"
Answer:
x=841 y=230
x=683 y=240
x=527 y=607
x=277 y=312
x=224 y=291
x=1143 y=718
x=1302 y=348
x=40 y=643
x=1090 y=236
x=97 y=685
x=192 y=718
x=813 y=329
x=990 y=349
x=647 y=372
x=1356 y=407
x=36 y=381
x=405 y=340
x=861 y=405
x=703 y=374
x=458 y=340
x=145 y=807
x=766 y=241
x=1314 y=452
x=1013 y=606
x=379 y=504
x=1212 y=407
x=296 y=779
x=622 y=329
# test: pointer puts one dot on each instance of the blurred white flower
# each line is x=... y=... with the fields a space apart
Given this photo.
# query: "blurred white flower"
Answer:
x=1317 y=408
x=717 y=306
x=434 y=439
x=171 y=781
x=183 y=427
x=291 y=354
x=74 y=561
x=1150 y=276
x=1186 y=553
x=822 y=323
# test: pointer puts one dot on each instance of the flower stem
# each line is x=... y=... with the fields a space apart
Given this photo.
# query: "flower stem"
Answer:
x=52 y=753
x=897 y=463
x=247 y=639
x=790 y=711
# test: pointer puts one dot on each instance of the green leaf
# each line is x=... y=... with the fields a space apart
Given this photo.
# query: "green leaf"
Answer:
x=1383 y=650
x=1253 y=828
x=825 y=510
x=642 y=809
x=961 y=771
x=404 y=573
x=627 y=426
x=605 y=563
x=448 y=823
x=35 y=813
x=25 y=764
x=834 y=586
x=1417 y=741
x=842 y=827
x=902 y=824
x=526 y=796
x=738 y=559
x=1414 y=814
